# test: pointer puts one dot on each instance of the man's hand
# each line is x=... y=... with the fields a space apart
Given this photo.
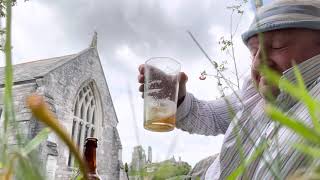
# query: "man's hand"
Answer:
x=183 y=78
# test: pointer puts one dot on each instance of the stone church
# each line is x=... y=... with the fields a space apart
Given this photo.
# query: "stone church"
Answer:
x=75 y=88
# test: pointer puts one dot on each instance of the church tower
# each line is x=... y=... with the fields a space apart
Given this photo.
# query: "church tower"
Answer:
x=149 y=155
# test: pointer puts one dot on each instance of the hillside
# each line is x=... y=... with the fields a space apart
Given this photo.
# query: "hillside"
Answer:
x=160 y=171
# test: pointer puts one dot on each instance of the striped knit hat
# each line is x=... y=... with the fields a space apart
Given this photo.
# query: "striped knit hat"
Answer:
x=284 y=14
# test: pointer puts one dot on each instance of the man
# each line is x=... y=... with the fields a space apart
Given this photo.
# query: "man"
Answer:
x=291 y=34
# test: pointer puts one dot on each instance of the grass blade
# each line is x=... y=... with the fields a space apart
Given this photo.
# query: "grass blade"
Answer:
x=307 y=99
x=8 y=105
x=297 y=91
x=295 y=125
x=28 y=169
x=242 y=167
x=38 y=139
x=306 y=149
x=42 y=113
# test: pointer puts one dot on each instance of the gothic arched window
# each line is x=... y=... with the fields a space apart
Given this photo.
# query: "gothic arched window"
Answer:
x=87 y=114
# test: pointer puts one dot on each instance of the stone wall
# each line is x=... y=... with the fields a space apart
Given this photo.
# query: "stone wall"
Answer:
x=28 y=126
x=138 y=159
x=62 y=85
x=60 y=88
x=23 y=115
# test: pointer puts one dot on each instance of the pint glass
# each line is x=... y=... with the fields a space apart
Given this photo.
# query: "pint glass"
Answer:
x=161 y=93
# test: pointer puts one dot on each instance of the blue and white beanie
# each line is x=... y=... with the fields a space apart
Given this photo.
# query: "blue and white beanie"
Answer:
x=284 y=14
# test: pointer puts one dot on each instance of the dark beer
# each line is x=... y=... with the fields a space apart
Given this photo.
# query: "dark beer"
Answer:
x=90 y=148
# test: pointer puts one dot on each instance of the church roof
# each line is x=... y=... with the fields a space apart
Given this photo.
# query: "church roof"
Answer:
x=35 y=69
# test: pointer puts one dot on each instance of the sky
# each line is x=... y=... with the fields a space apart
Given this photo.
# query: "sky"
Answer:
x=129 y=33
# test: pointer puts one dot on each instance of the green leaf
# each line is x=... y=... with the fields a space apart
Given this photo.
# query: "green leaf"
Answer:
x=309 y=150
x=307 y=99
x=38 y=139
x=272 y=76
x=8 y=100
x=293 y=124
x=242 y=167
x=298 y=91
x=28 y=169
x=298 y=75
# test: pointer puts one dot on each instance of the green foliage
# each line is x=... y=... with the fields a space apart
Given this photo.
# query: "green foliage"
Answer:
x=309 y=134
x=163 y=170
x=241 y=169
x=141 y=173
x=3 y=6
x=309 y=150
x=126 y=168
x=18 y=161
x=225 y=43
x=167 y=170
x=35 y=142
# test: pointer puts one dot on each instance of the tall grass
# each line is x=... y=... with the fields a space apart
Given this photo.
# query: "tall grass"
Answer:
x=310 y=135
x=16 y=161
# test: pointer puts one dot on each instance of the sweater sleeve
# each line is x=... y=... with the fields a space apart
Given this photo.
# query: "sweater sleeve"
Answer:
x=210 y=117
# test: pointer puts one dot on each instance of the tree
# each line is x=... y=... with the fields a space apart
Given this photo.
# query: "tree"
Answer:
x=126 y=169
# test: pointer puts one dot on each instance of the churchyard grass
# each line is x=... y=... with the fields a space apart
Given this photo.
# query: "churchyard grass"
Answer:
x=17 y=161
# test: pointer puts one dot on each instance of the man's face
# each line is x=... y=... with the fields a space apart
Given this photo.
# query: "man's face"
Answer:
x=282 y=49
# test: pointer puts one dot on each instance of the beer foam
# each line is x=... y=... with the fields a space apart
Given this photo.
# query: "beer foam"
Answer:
x=159 y=109
x=153 y=91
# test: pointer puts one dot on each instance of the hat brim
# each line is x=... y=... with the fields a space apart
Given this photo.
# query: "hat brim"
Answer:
x=271 y=26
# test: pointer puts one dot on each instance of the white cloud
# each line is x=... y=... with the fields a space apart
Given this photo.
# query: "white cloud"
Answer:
x=37 y=35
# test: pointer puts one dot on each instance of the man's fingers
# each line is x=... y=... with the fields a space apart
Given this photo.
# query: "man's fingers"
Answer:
x=141 y=88
x=183 y=77
x=182 y=84
x=141 y=68
x=141 y=78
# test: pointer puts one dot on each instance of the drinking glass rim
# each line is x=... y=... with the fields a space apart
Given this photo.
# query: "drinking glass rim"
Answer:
x=163 y=57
